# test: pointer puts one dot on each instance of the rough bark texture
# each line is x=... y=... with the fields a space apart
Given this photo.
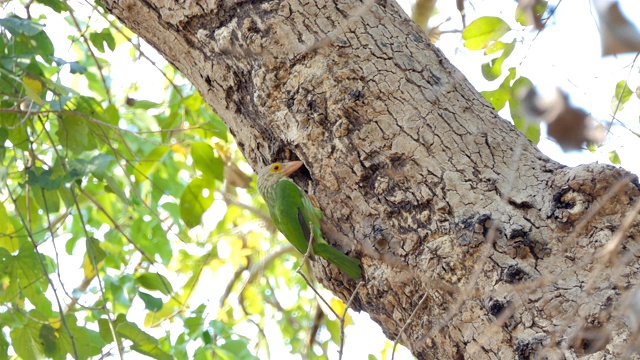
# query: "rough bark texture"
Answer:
x=416 y=174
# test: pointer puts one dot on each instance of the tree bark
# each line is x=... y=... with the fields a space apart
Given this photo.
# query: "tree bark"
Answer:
x=456 y=216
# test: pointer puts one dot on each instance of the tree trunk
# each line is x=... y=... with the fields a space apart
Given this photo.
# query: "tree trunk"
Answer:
x=456 y=216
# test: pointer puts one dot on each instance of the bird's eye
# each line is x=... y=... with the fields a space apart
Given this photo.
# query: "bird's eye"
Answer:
x=276 y=167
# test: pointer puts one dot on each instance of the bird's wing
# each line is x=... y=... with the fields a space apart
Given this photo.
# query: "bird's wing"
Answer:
x=290 y=217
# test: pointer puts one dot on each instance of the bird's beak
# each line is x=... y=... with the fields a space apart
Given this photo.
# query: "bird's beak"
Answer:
x=291 y=167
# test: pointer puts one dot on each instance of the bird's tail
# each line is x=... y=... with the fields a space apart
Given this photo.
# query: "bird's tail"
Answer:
x=349 y=265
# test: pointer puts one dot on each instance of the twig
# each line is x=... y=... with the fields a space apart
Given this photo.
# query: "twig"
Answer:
x=94 y=264
x=624 y=227
x=236 y=275
x=309 y=249
x=344 y=316
x=619 y=99
x=93 y=55
x=27 y=228
x=263 y=264
x=258 y=213
x=317 y=293
x=299 y=271
x=395 y=343
x=340 y=318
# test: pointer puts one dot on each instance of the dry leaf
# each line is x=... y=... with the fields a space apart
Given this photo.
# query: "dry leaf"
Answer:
x=236 y=177
x=617 y=33
x=422 y=11
x=528 y=8
x=569 y=126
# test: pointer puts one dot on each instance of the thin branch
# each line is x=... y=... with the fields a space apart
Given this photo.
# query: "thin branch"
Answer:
x=93 y=55
x=234 y=278
x=259 y=268
x=136 y=246
x=619 y=99
x=259 y=213
x=97 y=121
x=304 y=260
x=27 y=228
x=395 y=343
x=344 y=316
x=631 y=217
x=118 y=28
x=315 y=327
x=72 y=190
x=94 y=263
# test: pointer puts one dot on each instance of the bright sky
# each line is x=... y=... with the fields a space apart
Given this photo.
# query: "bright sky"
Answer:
x=566 y=55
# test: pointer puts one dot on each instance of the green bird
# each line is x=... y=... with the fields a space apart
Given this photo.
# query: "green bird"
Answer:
x=292 y=211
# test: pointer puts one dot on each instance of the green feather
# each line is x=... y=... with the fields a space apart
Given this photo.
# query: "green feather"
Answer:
x=292 y=211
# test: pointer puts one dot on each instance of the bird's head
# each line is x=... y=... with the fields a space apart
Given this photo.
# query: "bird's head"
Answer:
x=269 y=175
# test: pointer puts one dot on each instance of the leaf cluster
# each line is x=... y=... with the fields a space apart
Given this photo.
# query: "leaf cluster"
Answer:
x=128 y=223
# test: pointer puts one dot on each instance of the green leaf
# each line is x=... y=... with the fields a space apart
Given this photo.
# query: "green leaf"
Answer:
x=114 y=187
x=95 y=84
x=47 y=200
x=142 y=104
x=482 y=31
x=193 y=102
x=4 y=219
x=333 y=326
x=142 y=342
x=112 y=115
x=614 y=158
x=98 y=39
x=194 y=323
x=55 y=5
x=48 y=340
x=88 y=343
x=499 y=97
x=4 y=135
x=195 y=200
x=493 y=69
x=98 y=165
x=530 y=128
x=147 y=165
x=90 y=107
x=4 y=346
x=93 y=257
x=154 y=281
x=151 y=303
x=76 y=68
x=26 y=342
x=79 y=168
x=8 y=238
x=234 y=349
x=622 y=95
x=121 y=291
x=495 y=47
x=215 y=125
x=43 y=44
x=46 y=179
x=33 y=88
x=540 y=8
x=73 y=133
x=25 y=268
x=17 y=26
x=204 y=159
